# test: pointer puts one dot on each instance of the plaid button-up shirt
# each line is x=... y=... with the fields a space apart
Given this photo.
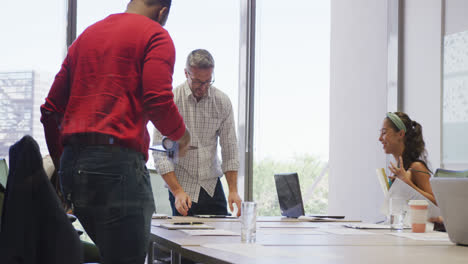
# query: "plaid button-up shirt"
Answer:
x=208 y=120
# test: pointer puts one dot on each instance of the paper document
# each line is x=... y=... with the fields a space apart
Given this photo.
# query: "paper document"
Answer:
x=428 y=236
x=322 y=219
x=248 y=250
x=290 y=231
x=403 y=190
x=211 y=232
x=300 y=225
x=188 y=226
x=215 y=216
x=160 y=216
x=370 y=226
x=259 y=253
x=346 y=231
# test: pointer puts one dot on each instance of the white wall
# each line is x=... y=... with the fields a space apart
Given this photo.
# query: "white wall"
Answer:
x=422 y=92
x=358 y=94
x=358 y=97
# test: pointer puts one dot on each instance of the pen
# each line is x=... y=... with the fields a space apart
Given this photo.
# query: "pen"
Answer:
x=188 y=223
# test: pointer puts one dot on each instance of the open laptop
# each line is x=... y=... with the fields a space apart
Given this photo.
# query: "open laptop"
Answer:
x=452 y=198
x=290 y=198
x=289 y=194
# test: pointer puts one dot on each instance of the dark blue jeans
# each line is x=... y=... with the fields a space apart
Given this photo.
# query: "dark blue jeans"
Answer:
x=110 y=189
x=215 y=205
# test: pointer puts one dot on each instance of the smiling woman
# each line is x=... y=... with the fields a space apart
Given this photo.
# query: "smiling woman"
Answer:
x=402 y=138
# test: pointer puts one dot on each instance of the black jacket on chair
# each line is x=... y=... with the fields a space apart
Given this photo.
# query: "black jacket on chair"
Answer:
x=34 y=226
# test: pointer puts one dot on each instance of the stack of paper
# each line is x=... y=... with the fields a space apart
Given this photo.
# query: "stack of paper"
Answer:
x=161 y=216
x=212 y=232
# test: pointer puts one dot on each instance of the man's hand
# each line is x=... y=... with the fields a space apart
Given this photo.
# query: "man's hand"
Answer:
x=184 y=143
x=182 y=202
x=234 y=198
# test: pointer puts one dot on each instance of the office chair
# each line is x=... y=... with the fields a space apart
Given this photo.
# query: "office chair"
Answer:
x=3 y=180
x=34 y=226
x=3 y=172
x=451 y=173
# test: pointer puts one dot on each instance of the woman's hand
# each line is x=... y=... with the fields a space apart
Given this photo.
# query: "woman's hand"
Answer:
x=400 y=172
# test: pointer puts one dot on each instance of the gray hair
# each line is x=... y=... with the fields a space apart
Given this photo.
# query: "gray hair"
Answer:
x=200 y=58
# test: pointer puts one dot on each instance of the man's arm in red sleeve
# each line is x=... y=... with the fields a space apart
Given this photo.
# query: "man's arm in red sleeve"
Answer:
x=158 y=98
x=52 y=112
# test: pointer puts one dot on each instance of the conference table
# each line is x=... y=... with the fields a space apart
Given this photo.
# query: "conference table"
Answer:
x=284 y=240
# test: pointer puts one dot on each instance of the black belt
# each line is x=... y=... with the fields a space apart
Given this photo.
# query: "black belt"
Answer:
x=89 y=139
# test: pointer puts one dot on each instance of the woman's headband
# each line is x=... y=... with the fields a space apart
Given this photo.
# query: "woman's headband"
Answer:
x=397 y=121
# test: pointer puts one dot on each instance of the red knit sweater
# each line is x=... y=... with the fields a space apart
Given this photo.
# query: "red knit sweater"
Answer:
x=116 y=77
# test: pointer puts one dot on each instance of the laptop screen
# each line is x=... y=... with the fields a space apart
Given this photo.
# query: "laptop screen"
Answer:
x=452 y=196
x=289 y=194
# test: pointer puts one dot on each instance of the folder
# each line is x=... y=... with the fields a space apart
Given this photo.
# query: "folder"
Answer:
x=383 y=180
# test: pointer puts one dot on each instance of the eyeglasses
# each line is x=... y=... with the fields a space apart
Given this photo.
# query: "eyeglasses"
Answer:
x=197 y=83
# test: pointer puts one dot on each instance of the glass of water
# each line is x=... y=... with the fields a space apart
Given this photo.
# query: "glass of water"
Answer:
x=397 y=211
x=248 y=222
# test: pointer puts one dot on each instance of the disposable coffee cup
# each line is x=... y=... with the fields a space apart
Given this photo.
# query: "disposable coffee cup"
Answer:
x=418 y=213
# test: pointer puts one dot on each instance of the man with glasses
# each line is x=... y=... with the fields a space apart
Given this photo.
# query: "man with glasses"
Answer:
x=194 y=181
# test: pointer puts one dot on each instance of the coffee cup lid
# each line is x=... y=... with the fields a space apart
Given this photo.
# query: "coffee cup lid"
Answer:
x=418 y=202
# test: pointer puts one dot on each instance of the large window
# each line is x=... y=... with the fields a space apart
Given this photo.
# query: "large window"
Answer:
x=291 y=77
x=91 y=11
x=291 y=100
x=31 y=52
x=212 y=25
x=455 y=86
x=192 y=25
x=455 y=102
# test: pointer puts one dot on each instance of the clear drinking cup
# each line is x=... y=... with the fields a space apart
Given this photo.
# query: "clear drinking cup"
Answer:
x=248 y=222
x=397 y=211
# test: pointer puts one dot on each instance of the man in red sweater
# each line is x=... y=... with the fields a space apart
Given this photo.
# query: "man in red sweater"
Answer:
x=116 y=77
